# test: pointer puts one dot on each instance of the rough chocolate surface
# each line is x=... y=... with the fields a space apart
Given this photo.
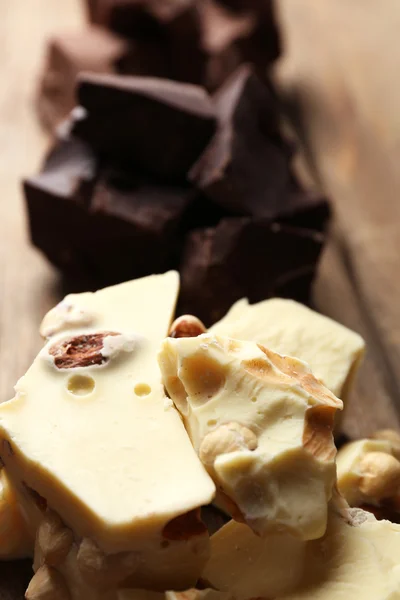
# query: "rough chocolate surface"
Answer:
x=193 y=41
x=93 y=49
x=202 y=40
x=114 y=200
x=233 y=171
x=152 y=124
x=102 y=227
x=246 y=257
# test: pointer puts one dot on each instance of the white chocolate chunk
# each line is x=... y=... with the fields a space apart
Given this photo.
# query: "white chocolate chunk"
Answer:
x=368 y=472
x=261 y=424
x=15 y=541
x=89 y=436
x=66 y=315
x=333 y=352
x=350 y=562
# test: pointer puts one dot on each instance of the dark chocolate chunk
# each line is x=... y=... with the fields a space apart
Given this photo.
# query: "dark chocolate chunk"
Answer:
x=15 y=576
x=264 y=45
x=246 y=168
x=134 y=18
x=56 y=201
x=260 y=6
x=107 y=229
x=173 y=26
x=203 y=40
x=221 y=30
x=244 y=257
x=151 y=216
x=96 y=50
x=307 y=209
x=230 y=38
x=156 y=125
x=213 y=518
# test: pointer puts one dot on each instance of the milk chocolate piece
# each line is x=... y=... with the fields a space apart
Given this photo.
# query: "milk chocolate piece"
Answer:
x=156 y=125
x=246 y=168
x=244 y=257
x=103 y=230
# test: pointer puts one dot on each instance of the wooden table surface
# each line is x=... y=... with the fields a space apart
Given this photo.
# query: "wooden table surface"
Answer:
x=341 y=68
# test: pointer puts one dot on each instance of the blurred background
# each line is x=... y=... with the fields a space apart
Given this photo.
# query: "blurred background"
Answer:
x=336 y=80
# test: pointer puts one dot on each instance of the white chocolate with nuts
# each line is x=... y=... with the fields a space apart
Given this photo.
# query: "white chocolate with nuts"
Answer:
x=333 y=352
x=358 y=557
x=261 y=424
x=368 y=472
x=67 y=315
x=89 y=436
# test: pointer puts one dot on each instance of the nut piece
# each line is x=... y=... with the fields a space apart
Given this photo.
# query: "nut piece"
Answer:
x=186 y=326
x=80 y=351
x=54 y=540
x=226 y=438
x=317 y=435
x=368 y=474
x=47 y=584
x=102 y=570
x=380 y=475
x=390 y=435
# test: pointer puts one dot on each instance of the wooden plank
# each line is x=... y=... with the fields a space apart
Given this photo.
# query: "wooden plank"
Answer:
x=28 y=285
x=335 y=295
x=342 y=61
x=370 y=405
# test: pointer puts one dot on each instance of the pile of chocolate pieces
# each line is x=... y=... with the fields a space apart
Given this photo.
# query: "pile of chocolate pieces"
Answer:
x=174 y=156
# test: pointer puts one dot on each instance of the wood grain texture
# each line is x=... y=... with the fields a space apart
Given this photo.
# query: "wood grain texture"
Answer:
x=371 y=405
x=342 y=60
x=28 y=285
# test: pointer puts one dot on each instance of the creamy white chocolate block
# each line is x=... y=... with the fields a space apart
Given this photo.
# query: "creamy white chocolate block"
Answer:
x=358 y=557
x=368 y=472
x=333 y=352
x=261 y=424
x=91 y=437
